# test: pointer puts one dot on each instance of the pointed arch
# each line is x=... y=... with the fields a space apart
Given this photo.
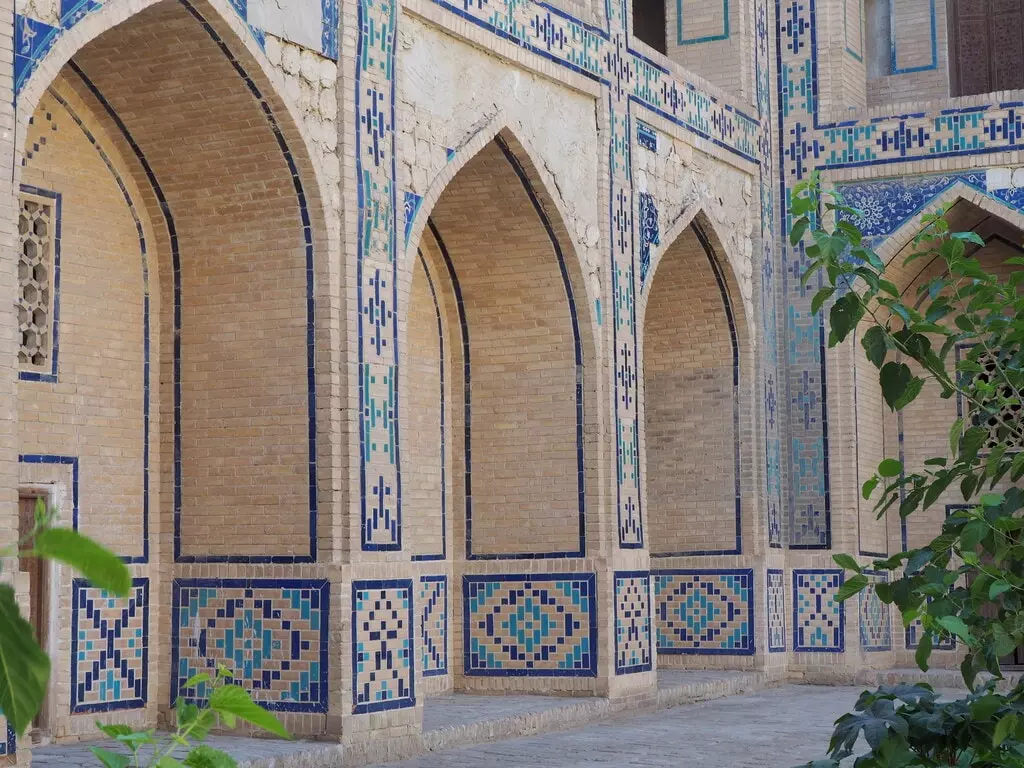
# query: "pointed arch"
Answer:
x=516 y=285
x=697 y=397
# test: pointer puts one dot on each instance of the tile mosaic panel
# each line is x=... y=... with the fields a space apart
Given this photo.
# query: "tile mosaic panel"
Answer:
x=8 y=740
x=650 y=233
x=109 y=648
x=271 y=633
x=632 y=622
x=433 y=610
x=875 y=617
x=704 y=612
x=382 y=645
x=531 y=624
x=377 y=277
x=776 y=611
x=818 y=617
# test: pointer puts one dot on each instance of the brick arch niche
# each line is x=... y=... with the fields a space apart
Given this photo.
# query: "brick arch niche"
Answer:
x=169 y=208
x=496 y=402
x=693 y=346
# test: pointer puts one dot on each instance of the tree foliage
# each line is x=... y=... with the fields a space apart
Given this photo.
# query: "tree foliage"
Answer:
x=960 y=334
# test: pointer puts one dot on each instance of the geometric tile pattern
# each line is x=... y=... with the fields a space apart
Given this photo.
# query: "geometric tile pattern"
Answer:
x=817 y=616
x=704 y=612
x=377 y=277
x=632 y=622
x=875 y=617
x=382 y=645
x=531 y=624
x=109 y=648
x=776 y=611
x=8 y=739
x=433 y=608
x=271 y=633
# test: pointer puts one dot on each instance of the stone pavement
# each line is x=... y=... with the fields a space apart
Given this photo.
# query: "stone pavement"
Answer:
x=775 y=728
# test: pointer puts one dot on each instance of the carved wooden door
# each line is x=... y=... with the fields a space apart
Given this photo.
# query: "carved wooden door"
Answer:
x=986 y=45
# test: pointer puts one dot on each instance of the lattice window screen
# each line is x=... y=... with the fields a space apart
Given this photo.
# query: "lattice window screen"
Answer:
x=35 y=282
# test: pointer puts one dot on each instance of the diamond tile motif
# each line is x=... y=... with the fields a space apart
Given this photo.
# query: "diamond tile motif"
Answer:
x=109 y=648
x=875 y=617
x=272 y=634
x=433 y=610
x=776 y=611
x=704 y=612
x=632 y=622
x=531 y=624
x=817 y=616
x=382 y=645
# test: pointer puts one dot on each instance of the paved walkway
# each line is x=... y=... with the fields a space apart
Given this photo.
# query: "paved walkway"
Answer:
x=776 y=728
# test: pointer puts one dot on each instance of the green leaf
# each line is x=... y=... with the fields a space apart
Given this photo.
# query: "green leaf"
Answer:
x=114 y=729
x=1004 y=726
x=924 y=651
x=820 y=298
x=197 y=680
x=985 y=707
x=956 y=432
x=799 y=230
x=955 y=625
x=235 y=700
x=205 y=756
x=894 y=378
x=99 y=565
x=845 y=314
x=110 y=759
x=890 y=468
x=910 y=394
x=846 y=562
x=869 y=488
x=1004 y=644
x=998 y=588
x=851 y=587
x=24 y=668
x=168 y=762
x=875 y=347
x=992 y=499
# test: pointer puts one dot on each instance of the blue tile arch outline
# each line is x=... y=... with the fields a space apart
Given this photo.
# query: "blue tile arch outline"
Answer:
x=894 y=65
x=147 y=381
x=307 y=238
x=589 y=579
x=410 y=700
x=578 y=353
x=681 y=38
x=58 y=205
x=320 y=585
x=444 y=415
x=77 y=585
x=168 y=216
x=727 y=306
x=440 y=579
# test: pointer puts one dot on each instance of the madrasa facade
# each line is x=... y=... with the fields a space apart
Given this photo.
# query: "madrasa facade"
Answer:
x=410 y=347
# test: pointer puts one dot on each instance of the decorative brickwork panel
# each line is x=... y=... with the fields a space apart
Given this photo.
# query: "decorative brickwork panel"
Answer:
x=632 y=622
x=540 y=625
x=704 y=612
x=817 y=616
x=382 y=645
x=433 y=608
x=271 y=633
x=109 y=648
x=776 y=611
x=36 y=270
x=875 y=618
